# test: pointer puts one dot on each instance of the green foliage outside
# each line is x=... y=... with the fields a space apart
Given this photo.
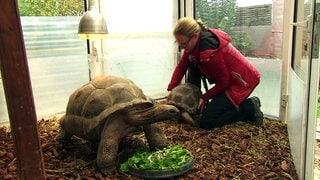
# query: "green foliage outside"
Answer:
x=221 y=14
x=51 y=7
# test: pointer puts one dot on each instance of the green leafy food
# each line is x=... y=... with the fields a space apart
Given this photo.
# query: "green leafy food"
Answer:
x=171 y=157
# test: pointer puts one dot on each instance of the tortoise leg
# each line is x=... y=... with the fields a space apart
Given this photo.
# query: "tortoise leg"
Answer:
x=155 y=136
x=109 y=143
x=63 y=135
x=107 y=153
x=187 y=118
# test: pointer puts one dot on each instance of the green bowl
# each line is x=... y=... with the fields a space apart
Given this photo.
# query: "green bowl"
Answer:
x=159 y=174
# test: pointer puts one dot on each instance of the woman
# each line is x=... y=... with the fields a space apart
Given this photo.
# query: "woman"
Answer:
x=208 y=52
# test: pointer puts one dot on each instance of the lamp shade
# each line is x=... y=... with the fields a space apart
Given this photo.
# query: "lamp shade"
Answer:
x=92 y=25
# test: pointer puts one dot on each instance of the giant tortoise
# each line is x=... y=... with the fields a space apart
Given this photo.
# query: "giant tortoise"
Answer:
x=109 y=108
x=186 y=98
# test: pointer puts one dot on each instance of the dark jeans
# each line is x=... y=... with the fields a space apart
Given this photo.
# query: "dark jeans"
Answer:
x=219 y=111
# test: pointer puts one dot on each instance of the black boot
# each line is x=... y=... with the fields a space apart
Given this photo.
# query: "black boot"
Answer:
x=257 y=116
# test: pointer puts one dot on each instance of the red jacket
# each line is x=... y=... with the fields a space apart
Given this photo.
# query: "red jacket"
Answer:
x=231 y=72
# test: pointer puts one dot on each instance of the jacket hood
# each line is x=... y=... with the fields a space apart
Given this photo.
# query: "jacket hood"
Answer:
x=224 y=38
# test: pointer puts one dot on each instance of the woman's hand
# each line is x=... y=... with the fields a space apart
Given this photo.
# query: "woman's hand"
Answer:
x=201 y=105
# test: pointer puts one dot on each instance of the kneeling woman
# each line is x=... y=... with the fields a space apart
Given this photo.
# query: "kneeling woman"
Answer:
x=209 y=53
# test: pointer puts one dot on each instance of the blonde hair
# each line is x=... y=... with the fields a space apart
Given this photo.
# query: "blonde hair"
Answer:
x=188 y=26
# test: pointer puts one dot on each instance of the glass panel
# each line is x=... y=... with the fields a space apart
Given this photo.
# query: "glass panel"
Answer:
x=302 y=37
x=140 y=45
x=256 y=30
x=57 y=57
x=57 y=60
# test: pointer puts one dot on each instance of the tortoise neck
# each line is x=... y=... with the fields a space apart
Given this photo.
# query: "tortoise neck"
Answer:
x=152 y=114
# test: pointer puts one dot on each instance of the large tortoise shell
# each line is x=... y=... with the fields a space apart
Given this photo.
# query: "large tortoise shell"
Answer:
x=185 y=96
x=102 y=93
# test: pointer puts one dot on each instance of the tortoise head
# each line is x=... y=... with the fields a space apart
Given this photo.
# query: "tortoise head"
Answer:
x=138 y=115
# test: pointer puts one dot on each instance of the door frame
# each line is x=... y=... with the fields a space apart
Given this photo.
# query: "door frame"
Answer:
x=305 y=160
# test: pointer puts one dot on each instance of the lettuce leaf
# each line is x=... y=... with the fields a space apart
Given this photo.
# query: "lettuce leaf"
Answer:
x=172 y=157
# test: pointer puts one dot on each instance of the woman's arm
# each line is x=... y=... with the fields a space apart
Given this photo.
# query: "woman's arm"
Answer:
x=179 y=71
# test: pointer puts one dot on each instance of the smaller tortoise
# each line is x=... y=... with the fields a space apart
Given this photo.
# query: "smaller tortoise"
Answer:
x=186 y=98
x=109 y=108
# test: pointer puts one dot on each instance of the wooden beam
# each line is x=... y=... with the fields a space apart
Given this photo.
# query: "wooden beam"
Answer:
x=18 y=92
